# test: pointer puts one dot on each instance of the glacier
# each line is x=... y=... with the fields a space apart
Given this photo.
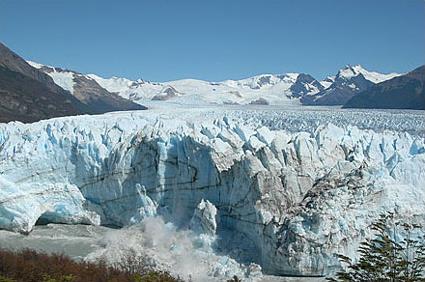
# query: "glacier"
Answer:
x=289 y=89
x=284 y=190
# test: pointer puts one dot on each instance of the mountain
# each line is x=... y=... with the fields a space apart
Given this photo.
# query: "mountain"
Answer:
x=290 y=89
x=402 y=92
x=28 y=94
x=305 y=84
x=267 y=88
x=167 y=93
x=88 y=91
x=346 y=84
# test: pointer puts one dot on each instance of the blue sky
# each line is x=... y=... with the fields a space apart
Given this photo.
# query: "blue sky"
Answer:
x=215 y=40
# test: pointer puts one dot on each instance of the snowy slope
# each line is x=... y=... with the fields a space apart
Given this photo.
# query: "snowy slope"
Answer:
x=349 y=81
x=276 y=89
x=113 y=84
x=283 y=189
x=63 y=78
x=86 y=89
x=285 y=89
x=375 y=77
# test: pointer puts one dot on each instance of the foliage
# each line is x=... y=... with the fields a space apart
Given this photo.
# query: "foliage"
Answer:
x=5 y=279
x=135 y=263
x=156 y=276
x=31 y=266
x=235 y=279
x=385 y=257
x=143 y=268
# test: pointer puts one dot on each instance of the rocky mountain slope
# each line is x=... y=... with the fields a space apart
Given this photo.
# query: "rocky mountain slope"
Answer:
x=283 y=190
x=88 y=91
x=348 y=82
x=33 y=91
x=402 y=92
x=28 y=95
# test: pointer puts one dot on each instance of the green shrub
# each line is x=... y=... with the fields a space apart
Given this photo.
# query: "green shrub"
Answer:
x=5 y=279
x=383 y=258
x=234 y=279
x=31 y=266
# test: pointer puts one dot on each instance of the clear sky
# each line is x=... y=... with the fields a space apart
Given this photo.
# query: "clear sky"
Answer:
x=214 y=40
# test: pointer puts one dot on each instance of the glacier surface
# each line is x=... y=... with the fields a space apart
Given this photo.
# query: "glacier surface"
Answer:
x=280 y=189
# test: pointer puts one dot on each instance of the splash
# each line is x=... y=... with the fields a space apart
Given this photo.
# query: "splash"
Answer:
x=183 y=253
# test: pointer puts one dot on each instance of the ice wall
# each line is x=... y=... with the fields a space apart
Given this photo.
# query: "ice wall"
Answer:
x=285 y=200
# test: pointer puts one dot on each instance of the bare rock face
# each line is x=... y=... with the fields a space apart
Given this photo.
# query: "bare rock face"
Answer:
x=347 y=83
x=15 y=63
x=166 y=93
x=305 y=84
x=33 y=92
x=97 y=99
x=287 y=201
x=27 y=94
x=403 y=92
x=259 y=101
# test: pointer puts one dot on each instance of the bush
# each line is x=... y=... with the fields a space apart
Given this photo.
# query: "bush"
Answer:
x=234 y=279
x=383 y=258
x=156 y=276
x=30 y=266
x=134 y=263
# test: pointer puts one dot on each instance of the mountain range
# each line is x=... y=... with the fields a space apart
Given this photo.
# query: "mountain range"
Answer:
x=346 y=84
x=30 y=94
x=352 y=86
x=31 y=91
x=285 y=89
x=402 y=92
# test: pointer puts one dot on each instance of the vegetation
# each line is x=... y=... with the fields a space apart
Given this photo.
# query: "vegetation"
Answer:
x=235 y=279
x=30 y=266
x=384 y=258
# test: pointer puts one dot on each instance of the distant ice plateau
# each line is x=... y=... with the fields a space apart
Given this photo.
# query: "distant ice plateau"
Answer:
x=257 y=189
x=289 y=89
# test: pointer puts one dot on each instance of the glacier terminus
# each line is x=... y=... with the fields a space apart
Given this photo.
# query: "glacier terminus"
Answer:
x=274 y=191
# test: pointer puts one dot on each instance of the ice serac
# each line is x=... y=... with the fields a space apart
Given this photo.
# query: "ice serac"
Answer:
x=285 y=200
x=204 y=218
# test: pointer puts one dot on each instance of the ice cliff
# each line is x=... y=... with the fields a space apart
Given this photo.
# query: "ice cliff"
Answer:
x=285 y=200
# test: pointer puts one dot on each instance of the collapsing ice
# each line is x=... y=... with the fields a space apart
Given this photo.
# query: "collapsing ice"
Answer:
x=287 y=201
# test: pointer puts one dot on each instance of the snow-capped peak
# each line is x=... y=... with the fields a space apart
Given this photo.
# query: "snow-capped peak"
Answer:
x=375 y=77
x=274 y=88
x=290 y=76
x=350 y=71
x=35 y=65
x=263 y=81
x=328 y=81
x=113 y=84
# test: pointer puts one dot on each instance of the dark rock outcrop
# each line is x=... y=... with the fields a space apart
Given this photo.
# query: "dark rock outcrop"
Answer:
x=29 y=94
x=304 y=84
x=340 y=91
x=402 y=92
x=259 y=101
x=94 y=96
x=167 y=93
